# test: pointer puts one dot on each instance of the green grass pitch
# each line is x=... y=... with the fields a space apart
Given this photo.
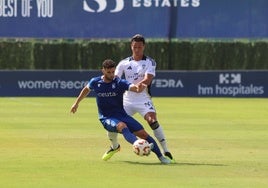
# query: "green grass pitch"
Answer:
x=217 y=143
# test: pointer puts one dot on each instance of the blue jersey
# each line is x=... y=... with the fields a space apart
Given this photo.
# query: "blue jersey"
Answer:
x=109 y=96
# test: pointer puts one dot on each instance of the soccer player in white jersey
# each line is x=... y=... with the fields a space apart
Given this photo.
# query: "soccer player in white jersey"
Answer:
x=138 y=69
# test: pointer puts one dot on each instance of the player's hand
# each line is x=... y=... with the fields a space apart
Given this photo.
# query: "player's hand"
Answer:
x=141 y=87
x=74 y=108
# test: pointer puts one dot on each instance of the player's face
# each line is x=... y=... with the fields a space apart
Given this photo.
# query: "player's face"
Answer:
x=108 y=74
x=137 y=49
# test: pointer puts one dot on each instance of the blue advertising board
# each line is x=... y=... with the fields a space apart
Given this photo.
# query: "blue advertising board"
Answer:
x=211 y=84
x=123 y=18
x=165 y=84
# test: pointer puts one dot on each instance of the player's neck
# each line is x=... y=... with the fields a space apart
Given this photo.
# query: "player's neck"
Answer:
x=106 y=80
x=137 y=57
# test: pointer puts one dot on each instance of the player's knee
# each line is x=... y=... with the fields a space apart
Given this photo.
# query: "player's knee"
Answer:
x=141 y=134
x=150 y=117
x=154 y=125
x=120 y=126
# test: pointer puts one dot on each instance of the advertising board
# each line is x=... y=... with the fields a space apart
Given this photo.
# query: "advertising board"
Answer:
x=165 y=84
x=123 y=18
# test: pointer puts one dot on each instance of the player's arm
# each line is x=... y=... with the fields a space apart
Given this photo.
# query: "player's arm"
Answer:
x=148 y=78
x=150 y=73
x=84 y=92
x=137 y=87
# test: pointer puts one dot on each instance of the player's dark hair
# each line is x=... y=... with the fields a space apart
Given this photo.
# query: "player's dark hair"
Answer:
x=108 y=63
x=138 y=38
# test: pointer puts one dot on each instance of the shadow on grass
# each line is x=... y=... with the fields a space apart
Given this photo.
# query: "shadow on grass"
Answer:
x=175 y=164
x=201 y=164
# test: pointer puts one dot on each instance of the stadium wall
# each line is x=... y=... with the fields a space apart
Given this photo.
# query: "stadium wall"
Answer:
x=166 y=83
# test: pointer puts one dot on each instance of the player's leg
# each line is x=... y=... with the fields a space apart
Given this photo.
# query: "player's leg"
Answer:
x=114 y=148
x=144 y=135
x=147 y=110
x=149 y=113
x=112 y=136
x=129 y=136
x=139 y=131
x=113 y=139
x=113 y=126
x=117 y=125
x=154 y=147
x=151 y=119
x=110 y=152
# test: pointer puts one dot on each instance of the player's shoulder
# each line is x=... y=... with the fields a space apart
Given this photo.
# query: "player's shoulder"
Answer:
x=150 y=60
x=124 y=61
x=120 y=80
x=95 y=80
x=116 y=79
x=120 y=83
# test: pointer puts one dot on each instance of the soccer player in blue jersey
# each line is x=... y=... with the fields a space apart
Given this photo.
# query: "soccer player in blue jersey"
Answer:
x=109 y=97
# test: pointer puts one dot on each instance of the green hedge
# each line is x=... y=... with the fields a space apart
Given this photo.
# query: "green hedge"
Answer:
x=16 y=55
x=169 y=55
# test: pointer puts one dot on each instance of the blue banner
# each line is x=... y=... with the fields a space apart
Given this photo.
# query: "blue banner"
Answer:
x=211 y=84
x=123 y=18
x=165 y=84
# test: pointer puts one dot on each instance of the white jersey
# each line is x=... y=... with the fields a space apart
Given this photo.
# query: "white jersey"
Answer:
x=135 y=71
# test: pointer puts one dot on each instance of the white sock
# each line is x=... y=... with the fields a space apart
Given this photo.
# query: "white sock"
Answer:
x=159 y=134
x=113 y=138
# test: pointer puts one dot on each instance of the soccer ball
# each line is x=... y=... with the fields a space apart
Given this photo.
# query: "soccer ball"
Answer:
x=141 y=147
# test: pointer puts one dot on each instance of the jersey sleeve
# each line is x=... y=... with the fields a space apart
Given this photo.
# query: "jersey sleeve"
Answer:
x=90 y=84
x=119 y=70
x=151 y=67
x=125 y=85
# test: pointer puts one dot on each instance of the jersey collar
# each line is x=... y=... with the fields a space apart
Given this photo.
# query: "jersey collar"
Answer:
x=143 y=58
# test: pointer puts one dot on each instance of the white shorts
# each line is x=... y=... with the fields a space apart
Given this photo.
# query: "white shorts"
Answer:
x=141 y=106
